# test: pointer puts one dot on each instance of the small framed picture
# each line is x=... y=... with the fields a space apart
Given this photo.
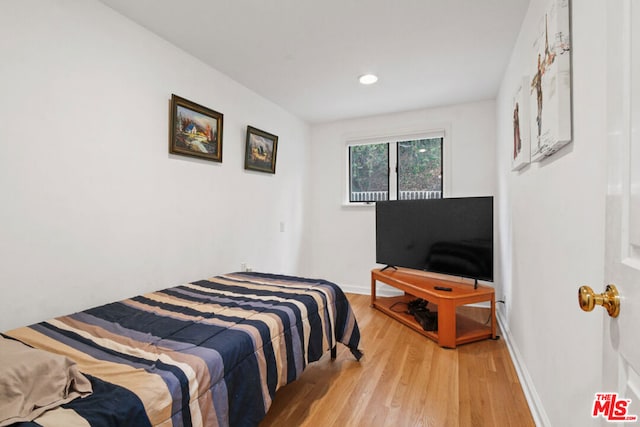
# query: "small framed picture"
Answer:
x=261 y=150
x=196 y=131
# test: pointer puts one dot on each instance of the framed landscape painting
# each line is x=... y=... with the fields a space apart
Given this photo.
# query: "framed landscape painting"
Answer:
x=261 y=150
x=196 y=131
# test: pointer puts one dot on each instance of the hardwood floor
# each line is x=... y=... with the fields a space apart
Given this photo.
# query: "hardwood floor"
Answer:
x=404 y=379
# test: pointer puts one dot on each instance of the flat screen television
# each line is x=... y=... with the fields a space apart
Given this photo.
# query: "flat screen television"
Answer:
x=451 y=236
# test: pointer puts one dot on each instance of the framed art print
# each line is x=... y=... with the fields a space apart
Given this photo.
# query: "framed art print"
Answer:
x=196 y=131
x=261 y=150
x=550 y=86
x=521 y=151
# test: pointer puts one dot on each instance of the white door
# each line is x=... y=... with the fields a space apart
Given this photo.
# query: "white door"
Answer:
x=621 y=343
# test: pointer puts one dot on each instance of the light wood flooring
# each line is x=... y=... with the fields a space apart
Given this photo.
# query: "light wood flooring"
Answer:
x=404 y=379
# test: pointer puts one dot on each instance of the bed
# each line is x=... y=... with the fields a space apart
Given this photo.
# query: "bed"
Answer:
x=210 y=353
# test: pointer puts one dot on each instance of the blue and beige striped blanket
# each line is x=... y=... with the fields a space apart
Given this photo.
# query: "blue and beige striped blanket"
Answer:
x=207 y=353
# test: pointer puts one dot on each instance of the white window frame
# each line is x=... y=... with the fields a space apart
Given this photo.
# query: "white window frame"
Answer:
x=392 y=139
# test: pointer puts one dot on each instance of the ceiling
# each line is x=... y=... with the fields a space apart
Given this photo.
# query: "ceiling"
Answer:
x=306 y=55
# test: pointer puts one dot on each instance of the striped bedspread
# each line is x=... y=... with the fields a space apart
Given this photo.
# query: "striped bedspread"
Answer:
x=207 y=353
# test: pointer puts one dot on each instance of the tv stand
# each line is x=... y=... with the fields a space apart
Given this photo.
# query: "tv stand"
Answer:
x=453 y=328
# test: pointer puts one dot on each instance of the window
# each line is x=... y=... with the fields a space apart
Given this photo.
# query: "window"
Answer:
x=419 y=169
x=416 y=172
x=369 y=176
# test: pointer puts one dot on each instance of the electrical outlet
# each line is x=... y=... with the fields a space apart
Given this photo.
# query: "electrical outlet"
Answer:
x=243 y=266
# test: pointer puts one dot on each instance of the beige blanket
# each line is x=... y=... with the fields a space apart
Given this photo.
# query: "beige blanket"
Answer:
x=33 y=381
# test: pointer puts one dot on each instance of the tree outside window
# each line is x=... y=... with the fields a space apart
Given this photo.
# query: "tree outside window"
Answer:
x=369 y=166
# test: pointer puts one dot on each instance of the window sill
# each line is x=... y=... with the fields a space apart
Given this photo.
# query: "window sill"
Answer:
x=358 y=204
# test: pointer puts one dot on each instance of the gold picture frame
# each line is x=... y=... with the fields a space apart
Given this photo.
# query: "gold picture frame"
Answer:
x=261 y=150
x=196 y=131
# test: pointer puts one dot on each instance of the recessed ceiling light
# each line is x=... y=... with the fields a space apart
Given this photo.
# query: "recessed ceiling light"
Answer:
x=368 y=79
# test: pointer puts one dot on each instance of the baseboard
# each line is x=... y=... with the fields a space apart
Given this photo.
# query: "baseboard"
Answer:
x=380 y=291
x=533 y=399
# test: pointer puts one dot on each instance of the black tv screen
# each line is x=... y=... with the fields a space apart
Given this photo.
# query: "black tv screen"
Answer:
x=452 y=236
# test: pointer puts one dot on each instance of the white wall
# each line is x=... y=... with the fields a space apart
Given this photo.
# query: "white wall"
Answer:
x=340 y=243
x=552 y=230
x=94 y=208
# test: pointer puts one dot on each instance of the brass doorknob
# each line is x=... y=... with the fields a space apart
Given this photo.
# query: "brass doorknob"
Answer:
x=609 y=299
